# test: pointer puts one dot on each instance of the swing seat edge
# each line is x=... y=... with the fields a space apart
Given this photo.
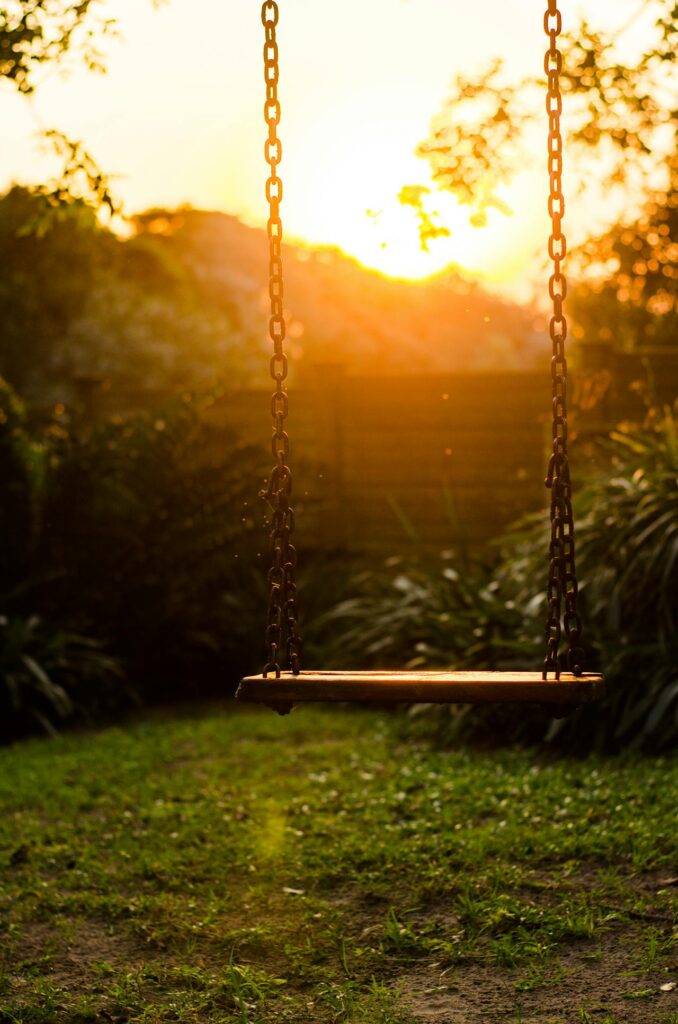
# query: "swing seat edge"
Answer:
x=421 y=687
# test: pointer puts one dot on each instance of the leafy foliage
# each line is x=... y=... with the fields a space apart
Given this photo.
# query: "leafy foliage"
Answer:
x=77 y=302
x=618 y=107
x=628 y=549
x=416 y=615
x=627 y=103
x=46 y=671
x=620 y=117
x=46 y=674
x=492 y=616
x=430 y=227
x=20 y=473
x=80 y=184
x=35 y=34
x=151 y=534
x=630 y=291
x=141 y=540
x=38 y=32
x=44 y=286
x=178 y=305
x=475 y=140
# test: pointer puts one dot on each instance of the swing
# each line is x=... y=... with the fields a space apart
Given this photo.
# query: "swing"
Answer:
x=279 y=689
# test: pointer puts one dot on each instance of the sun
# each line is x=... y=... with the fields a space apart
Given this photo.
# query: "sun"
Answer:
x=388 y=240
x=385 y=236
x=347 y=196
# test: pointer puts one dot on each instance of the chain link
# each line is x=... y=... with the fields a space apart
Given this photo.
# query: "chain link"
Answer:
x=282 y=627
x=561 y=592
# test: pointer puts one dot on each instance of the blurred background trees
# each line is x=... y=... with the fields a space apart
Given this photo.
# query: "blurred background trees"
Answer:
x=629 y=296
x=37 y=32
x=620 y=140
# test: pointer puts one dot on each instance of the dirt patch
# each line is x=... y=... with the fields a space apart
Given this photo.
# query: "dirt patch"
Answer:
x=71 y=956
x=596 y=978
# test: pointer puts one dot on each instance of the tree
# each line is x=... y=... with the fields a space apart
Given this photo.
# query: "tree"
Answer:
x=623 y=116
x=77 y=302
x=44 y=285
x=629 y=294
x=478 y=138
x=36 y=33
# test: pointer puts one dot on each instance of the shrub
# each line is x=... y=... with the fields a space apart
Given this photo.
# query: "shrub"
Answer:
x=415 y=614
x=129 y=562
x=21 y=471
x=151 y=531
x=47 y=675
x=628 y=552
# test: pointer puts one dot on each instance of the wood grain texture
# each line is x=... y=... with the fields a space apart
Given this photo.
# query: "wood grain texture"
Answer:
x=383 y=687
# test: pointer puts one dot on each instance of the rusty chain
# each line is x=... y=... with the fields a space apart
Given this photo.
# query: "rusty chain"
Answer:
x=562 y=583
x=282 y=607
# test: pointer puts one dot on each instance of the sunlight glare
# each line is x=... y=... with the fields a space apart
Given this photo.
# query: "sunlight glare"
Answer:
x=365 y=219
x=346 y=195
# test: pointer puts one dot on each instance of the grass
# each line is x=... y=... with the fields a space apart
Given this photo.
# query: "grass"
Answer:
x=231 y=866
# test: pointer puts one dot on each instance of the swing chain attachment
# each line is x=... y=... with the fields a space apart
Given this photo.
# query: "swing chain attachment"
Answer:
x=282 y=605
x=562 y=586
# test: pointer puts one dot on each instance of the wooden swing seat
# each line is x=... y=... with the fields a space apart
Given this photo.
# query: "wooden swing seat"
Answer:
x=427 y=687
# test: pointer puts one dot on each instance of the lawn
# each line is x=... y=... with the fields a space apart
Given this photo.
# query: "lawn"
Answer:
x=233 y=866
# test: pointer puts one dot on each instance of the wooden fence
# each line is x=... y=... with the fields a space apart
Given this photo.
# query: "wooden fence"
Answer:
x=386 y=464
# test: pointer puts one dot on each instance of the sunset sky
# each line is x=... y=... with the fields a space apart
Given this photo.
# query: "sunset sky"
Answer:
x=178 y=118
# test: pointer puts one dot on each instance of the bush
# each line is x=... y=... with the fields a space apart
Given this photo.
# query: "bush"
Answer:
x=130 y=554
x=21 y=471
x=628 y=552
x=47 y=675
x=491 y=616
x=153 y=537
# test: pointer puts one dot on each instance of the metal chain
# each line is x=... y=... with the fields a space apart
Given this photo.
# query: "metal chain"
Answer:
x=562 y=583
x=282 y=606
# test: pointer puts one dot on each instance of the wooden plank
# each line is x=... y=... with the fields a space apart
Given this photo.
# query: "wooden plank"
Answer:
x=442 y=415
x=478 y=401
x=430 y=687
x=416 y=470
x=429 y=505
x=523 y=434
x=460 y=383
